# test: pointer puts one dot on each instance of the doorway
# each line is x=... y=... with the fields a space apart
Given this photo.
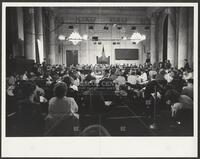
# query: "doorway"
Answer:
x=72 y=57
x=165 y=33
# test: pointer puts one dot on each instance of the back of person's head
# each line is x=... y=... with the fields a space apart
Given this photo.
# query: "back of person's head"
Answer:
x=95 y=130
x=139 y=73
x=154 y=75
x=133 y=72
x=60 y=89
x=89 y=72
x=162 y=72
x=172 y=95
x=190 y=81
x=28 y=88
x=68 y=80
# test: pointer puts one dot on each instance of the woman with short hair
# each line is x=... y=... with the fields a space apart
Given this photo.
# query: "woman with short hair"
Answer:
x=60 y=104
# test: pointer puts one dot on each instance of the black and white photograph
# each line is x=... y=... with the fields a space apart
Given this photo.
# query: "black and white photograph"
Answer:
x=100 y=71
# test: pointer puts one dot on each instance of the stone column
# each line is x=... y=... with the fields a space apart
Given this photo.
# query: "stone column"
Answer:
x=183 y=36
x=39 y=33
x=29 y=33
x=190 y=36
x=171 y=39
x=52 y=38
x=20 y=27
x=153 y=40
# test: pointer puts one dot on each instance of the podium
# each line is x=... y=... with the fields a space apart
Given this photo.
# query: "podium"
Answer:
x=103 y=60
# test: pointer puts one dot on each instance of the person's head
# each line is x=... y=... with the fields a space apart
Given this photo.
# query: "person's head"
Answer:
x=153 y=76
x=106 y=72
x=162 y=72
x=95 y=130
x=171 y=96
x=190 y=82
x=89 y=72
x=133 y=72
x=68 y=80
x=139 y=73
x=60 y=89
x=28 y=89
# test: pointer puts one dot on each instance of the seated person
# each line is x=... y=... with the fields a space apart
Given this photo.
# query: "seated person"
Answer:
x=29 y=117
x=89 y=77
x=132 y=78
x=188 y=90
x=178 y=82
x=113 y=76
x=72 y=90
x=187 y=74
x=177 y=101
x=60 y=104
x=120 y=80
x=107 y=88
x=161 y=74
x=143 y=76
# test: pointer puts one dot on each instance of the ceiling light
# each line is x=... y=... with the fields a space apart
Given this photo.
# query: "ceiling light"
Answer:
x=137 y=37
x=75 y=38
x=61 y=37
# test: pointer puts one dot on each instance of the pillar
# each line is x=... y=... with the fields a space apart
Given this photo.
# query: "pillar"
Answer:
x=52 y=37
x=190 y=36
x=20 y=27
x=29 y=33
x=153 y=40
x=183 y=36
x=39 y=33
x=171 y=39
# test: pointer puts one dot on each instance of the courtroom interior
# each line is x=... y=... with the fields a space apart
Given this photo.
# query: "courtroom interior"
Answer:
x=99 y=71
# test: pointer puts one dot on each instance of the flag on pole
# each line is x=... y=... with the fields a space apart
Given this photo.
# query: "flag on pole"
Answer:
x=103 y=52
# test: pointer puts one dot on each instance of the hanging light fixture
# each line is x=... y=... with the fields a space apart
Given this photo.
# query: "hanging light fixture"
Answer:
x=61 y=37
x=75 y=38
x=137 y=37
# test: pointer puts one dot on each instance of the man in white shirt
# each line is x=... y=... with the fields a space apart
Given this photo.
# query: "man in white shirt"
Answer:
x=168 y=76
x=24 y=77
x=132 y=79
x=120 y=80
x=143 y=76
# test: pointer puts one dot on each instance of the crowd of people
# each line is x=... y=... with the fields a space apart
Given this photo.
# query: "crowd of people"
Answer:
x=49 y=95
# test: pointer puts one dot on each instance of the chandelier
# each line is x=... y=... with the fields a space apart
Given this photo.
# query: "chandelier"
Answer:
x=137 y=37
x=75 y=38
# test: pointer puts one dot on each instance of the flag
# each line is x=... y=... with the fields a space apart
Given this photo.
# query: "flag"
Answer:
x=103 y=52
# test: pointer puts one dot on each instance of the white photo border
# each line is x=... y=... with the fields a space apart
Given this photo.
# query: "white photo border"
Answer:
x=99 y=146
